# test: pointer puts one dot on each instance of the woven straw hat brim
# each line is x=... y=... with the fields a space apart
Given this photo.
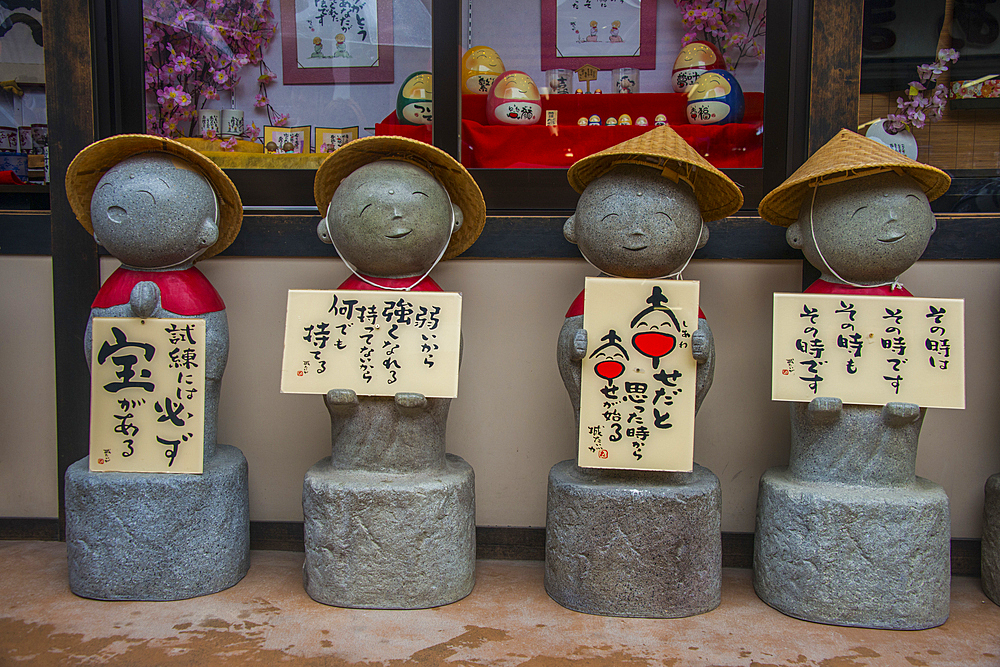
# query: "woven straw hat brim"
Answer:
x=718 y=197
x=90 y=164
x=846 y=153
x=453 y=176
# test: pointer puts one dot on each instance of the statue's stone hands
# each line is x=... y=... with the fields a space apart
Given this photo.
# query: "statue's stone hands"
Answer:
x=410 y=403
x=900 y=414
x=701 y=345
x=579 y=350
x=825 y=408
x=341 y=400
x=144 y=299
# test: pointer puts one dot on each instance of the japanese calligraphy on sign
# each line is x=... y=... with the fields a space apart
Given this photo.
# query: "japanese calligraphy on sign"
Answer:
x=336 y=33
x=637 y=392
x=869 y=350
x=147 y=395
x=376 y=342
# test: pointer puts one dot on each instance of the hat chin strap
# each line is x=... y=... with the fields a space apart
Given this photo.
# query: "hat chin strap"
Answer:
x=419 y=280
x=812 y=231
x=676 y=275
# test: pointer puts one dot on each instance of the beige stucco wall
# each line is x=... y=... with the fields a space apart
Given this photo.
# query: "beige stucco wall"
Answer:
x=512 y=420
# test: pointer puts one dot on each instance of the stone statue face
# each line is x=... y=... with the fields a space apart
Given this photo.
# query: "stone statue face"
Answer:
x=869 y=229
x=634 y=223
x=154 y=210
x=390 y=219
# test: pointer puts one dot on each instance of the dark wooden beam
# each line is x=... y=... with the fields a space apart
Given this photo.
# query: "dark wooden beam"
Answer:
x=70 y=107
x=836 y=69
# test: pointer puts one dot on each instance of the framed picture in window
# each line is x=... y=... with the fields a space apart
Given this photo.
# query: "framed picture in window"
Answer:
x=329 y=139
x=603 y=33
x=336 y=42
x=284 y=140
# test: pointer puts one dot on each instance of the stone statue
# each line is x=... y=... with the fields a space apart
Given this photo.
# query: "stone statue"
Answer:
x=608 y=550
x=848 y=534
x=389 y=517
x=159 y=206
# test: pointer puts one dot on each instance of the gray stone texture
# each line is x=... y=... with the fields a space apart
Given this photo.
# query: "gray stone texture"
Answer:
x=853 y=555
x=991 y=539
x=145 y=536
x=390 y=519
x=848 y=534
x=384 y=540
x=633 y=543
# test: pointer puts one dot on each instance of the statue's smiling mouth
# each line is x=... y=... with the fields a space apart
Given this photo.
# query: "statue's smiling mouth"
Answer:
x=635 y=247
x=398 y=234
x=892 y=237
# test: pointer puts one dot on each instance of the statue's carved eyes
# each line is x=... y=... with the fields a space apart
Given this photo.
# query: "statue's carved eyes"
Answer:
x=422 y=193
x=608 y=216
x=364 y=209
x=858 y=211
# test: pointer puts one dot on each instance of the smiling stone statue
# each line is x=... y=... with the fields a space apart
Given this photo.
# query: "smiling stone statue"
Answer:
x=609 y=550
x=847 y=534
x=389 y=516
x=158 y=207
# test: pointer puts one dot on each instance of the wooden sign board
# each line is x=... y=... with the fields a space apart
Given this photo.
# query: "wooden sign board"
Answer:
x=375 y=342
x=147 y=395
x=869 y=350
x=637 y=393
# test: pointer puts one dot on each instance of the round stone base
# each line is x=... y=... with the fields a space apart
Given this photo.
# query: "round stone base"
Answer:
x=874 y=557
x=991 y=539
x=389 y=540
x=146 y=536
x=633 y=543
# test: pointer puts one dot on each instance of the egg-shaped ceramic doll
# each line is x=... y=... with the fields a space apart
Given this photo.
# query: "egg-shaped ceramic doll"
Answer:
x=661 y=119
x=481 y=65
x=414 y=104
x=583 y=121
x=641 y=121
x=513 y=100
x=594 y=120
x=611 y=121
x=715 y=100
x=694 y=60
x=624 y=119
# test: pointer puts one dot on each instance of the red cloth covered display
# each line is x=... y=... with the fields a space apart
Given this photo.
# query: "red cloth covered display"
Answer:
x=735 y=145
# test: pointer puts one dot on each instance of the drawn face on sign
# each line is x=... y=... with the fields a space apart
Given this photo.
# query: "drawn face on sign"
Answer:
x=390 y=219
x=154 y=210
x=634 y=223
x=610 y=357
x=654 y=328
x=869 y=229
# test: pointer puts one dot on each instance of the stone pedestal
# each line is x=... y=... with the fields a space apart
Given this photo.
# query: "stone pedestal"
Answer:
x=384 y=540
x=991 y=539
x=853 y=555
x=144 y=536
x=633 y=543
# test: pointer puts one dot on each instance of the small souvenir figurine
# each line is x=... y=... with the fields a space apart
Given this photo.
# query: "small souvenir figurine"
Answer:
x=513 y=100
x=481 y=65
x=159 y=207
x=624 y=119
x=389 y=517
x=414 y=104
x=660 y=120
x=611 y=121
x=583 y=120
x=694 y=60
x=641 y=120
x=847 y=534
x=716 y=99
x=594 y=120
x=642 y=543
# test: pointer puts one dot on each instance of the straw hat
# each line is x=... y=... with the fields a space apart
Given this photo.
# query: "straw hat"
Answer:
x=717 y=195
x=457 y=181
x=848 y=155
x=87 y=168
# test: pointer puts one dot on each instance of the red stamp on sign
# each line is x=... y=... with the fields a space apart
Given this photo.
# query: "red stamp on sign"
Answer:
x=603 y=454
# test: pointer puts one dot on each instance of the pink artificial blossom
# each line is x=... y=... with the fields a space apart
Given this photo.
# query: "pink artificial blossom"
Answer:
x=229 y=144
x=281 y=120
x=915 y=109
x=260 y=100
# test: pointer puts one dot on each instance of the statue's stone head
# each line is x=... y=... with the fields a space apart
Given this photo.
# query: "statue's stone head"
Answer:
x=866 y=230
x=633 y=222
x=390 y=219
x=154 y=210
